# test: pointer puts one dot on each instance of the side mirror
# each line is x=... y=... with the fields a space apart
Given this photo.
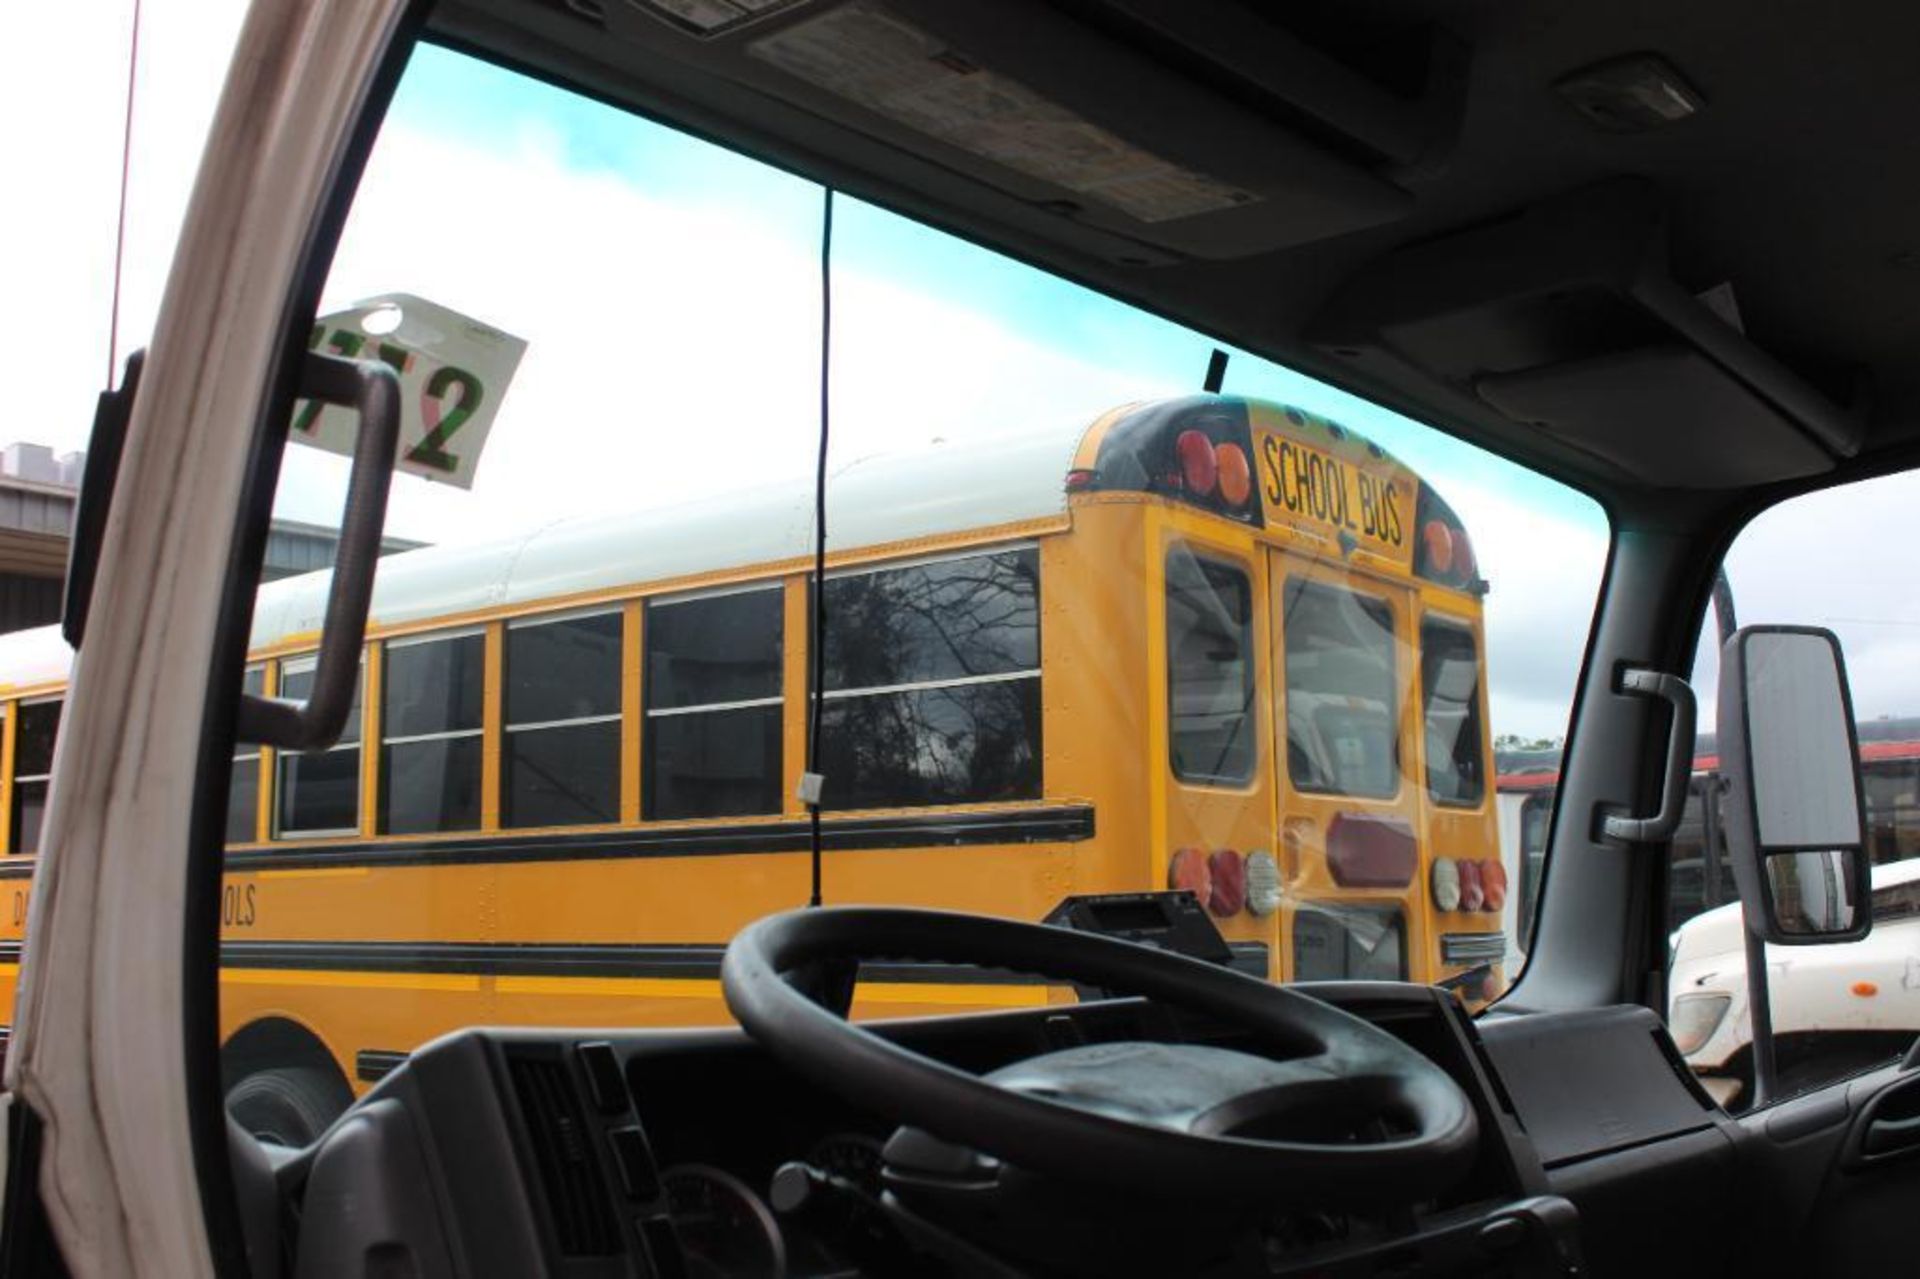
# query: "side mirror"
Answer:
x=1796 y=832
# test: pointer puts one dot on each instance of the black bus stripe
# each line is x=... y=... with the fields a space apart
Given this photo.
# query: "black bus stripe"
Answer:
x=694 y=960
x=1055 y=824
x=691 y=960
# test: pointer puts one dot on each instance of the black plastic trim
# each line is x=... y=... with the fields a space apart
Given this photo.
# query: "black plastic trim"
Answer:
x=695 y=960
x=1062 y=823
x=371 y=1065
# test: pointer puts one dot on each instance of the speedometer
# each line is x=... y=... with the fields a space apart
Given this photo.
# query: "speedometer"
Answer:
x=727 y=1230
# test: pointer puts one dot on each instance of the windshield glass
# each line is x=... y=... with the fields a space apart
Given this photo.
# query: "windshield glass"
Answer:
x=1082 y=628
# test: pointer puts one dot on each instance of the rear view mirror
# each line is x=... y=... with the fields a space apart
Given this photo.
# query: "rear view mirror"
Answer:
x=1794 y=818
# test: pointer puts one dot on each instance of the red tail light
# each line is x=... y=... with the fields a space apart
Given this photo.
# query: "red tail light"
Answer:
x=1365 y=851
x=1229 y=883
x=1473 y=892
x=1493 y=883
x=1236 y=476
x=1199 y=469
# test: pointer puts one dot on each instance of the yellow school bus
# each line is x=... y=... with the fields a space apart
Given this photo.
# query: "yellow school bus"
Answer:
x=1207 y=644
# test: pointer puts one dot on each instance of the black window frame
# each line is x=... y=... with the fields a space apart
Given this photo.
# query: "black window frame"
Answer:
x=1297 y=588
x=510 y=731
x=833 y=698
x=1460 y=630
x=41 y=782
x=253 y=680
x=1248 y=744
x=353 y=739
x=1335 y=914
x=653 y=713
x=476 y=733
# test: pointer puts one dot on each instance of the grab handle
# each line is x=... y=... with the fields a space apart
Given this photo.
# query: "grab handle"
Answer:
x=1677 y=693
x=372 y=389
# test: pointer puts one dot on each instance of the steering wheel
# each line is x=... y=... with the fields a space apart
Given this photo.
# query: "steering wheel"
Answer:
x=1340 y=1113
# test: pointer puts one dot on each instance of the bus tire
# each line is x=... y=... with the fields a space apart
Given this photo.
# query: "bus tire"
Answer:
x=288 y=1105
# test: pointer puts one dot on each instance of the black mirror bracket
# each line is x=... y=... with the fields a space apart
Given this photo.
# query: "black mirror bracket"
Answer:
x=371 y=389
x=1623 y=828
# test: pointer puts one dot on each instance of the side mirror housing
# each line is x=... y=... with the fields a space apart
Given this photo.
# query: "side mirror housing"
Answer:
x=1795 y=821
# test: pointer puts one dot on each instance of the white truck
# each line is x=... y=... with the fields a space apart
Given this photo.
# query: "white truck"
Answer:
x=1836 y=1008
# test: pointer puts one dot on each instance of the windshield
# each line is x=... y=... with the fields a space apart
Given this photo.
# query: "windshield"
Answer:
x=1081 y=628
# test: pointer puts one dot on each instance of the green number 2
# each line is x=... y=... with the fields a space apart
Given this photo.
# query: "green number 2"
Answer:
x=431 y=451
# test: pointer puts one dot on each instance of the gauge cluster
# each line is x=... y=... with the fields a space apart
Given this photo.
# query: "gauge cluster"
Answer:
x=727 y=1228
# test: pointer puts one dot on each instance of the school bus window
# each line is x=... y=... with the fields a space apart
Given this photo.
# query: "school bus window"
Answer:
x=1450 y=683
x=713 y=727
x=1340 y=691
x=1349 y=943
x=32 y=767
x=1210 y=677
x=320 y=791
x=562 y=749
x=243 y=789
x=932 y=691
x=430 y=724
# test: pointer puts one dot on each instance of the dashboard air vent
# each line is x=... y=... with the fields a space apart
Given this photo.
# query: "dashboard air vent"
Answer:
x=583 y=1220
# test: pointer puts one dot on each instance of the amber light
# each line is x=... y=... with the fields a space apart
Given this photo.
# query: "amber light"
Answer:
x=1463 y=562
x=1864 y=989
x=1236 y=476
x=1188 y=871
x=1439 y=539
x=1199 y=468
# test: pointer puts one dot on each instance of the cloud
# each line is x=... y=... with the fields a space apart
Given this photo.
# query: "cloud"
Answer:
x=673 y=341
x=672 y=354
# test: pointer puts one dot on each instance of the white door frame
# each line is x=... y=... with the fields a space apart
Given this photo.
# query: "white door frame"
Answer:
x=98 y=1047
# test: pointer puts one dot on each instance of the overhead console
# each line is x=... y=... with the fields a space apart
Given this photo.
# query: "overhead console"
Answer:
x=1143 y=131
x=1566 y=317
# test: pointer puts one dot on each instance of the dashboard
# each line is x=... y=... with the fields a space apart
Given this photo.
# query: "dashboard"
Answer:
x=695 y=1153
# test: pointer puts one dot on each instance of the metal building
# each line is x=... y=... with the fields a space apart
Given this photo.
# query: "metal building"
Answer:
x=38 y=494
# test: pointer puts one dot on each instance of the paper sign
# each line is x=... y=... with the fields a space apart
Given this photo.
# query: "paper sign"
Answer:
x=454 y=372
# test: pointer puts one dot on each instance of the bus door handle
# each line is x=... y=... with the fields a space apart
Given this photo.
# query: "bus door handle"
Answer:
x=372 y=389
x=1677 y=693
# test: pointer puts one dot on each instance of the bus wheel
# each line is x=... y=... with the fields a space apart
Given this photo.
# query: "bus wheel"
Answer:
x=288 y=1105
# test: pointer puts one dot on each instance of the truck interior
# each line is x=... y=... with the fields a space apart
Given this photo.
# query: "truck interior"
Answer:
x=1520 y=223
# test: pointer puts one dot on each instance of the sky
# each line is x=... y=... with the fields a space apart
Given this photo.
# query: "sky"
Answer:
x=668 y=293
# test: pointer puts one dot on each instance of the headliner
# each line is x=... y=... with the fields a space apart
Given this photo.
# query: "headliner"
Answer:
x=1783 y=185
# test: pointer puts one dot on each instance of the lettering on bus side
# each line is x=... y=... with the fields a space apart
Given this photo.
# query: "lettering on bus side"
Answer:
x=1306 y=482
x=238 y=905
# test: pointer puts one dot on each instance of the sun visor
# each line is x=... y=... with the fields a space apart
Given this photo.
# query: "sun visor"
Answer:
x=1149 y=123
x=1565 y=318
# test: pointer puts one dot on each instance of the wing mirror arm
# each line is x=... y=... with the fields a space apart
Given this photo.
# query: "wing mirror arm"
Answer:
x=372 y=389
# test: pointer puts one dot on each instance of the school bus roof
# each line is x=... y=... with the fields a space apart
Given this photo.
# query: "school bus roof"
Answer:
x=877 y=500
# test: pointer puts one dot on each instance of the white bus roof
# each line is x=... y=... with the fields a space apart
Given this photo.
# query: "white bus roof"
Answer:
x=883 y=499
x=871 y=501
x=876 y=500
